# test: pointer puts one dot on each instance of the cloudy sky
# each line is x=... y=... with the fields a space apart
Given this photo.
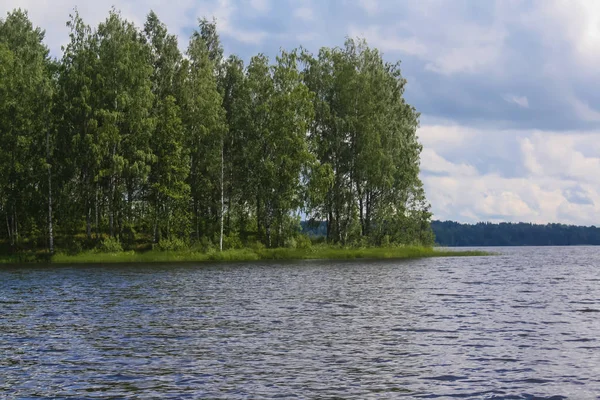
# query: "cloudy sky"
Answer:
x=507 y=89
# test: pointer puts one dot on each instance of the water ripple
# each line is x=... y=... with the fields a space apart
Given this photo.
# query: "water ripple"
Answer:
x=518 y=326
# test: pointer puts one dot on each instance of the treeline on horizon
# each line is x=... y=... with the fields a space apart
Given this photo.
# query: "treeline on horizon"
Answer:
x=450 y=233
x=125 y=140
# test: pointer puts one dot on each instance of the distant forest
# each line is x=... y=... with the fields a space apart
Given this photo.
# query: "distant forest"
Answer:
x=126 y=139
x=450 y=233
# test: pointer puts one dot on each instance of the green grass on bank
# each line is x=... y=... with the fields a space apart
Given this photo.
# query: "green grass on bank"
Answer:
x=246 y=254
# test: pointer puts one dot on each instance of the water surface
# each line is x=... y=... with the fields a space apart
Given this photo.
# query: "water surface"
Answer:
x=522 y=325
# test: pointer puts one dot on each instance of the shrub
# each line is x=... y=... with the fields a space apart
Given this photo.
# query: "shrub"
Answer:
x=303 y=242
x=172 y=244
x=232 y=241
x=110 y=245
x=360 y=243
x=38 y=239
x=290 y=243
x=128 y=236
x=72 y=246
x=206 y=245
x=257 y=246
x=385 y=241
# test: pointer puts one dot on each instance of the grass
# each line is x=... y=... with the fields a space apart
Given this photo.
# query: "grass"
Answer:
x=314 y=253
x=21 y=258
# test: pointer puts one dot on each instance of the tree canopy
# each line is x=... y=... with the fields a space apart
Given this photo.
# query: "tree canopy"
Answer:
x=450 y=233
x=127 y=137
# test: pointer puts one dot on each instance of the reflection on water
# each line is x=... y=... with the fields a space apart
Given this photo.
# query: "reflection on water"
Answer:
x=521 y=325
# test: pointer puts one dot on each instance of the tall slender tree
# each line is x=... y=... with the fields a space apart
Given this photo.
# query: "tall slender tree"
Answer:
x=278 y=150
x=364 y=136
x=124 y=120
x=169 y=190
x=78 y=142
x=236 y=102
x=205 y=124
x=25 y=107
x=208 y=32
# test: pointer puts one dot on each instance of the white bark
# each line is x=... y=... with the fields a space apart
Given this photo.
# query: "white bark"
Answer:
x=222 y=196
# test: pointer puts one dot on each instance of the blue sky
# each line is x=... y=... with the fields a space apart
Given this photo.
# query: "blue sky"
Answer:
x=507 y=89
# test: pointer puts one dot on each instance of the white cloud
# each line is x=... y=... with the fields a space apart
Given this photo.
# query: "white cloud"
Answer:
x=467 y=59
x=224 y=11
x=455 y=45
x=388 y=42
x=260 y=5
x=529 y=157
x=496 y=198
x=558 y=182
x=583 y=110
x=456 y=41
x=304 y=13
x=521 y=101
x=444 y=136
x=370 y=6
x=433 y=162
x=559 y=156
x=575 y=23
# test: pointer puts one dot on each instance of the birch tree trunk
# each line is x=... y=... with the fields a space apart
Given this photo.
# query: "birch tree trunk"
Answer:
x=50 y=226
x=222 y=196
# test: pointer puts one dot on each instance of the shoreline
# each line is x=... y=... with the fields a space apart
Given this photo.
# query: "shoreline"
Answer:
x=242 y=255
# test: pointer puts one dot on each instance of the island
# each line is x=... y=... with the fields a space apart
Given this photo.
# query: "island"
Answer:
x=127 y=148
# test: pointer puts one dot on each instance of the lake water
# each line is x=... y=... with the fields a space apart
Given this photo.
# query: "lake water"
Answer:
x=521 y=325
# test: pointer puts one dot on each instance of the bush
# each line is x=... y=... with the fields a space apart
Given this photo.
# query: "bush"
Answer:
x=257 y=246
x=232 y=241
x=303 y=242
x=173 y=244
x=110 y=245
x=128 y=236
x=206 y=245
x=38 y=238
x=360 y=243
x=385 y=241
x=72 y=246
x=290 y=243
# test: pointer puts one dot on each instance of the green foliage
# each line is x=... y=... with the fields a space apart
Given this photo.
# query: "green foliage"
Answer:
x=450 y=233
x=128 y=235
x=303 y=242
x=204 y=244
x=173 y=244
x=26 y=92
x=110 y=245
x=72 y=245
x=205 y=127
x=385 y=241
x=248 y=254
x=365 y=143
x=257 y=246
x=290 y=243
x=232 y=241
x=125 y=137
x=169 y=191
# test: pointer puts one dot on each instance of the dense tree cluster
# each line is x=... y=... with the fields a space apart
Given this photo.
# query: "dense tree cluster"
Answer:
x=450 y=233
x=125 y=136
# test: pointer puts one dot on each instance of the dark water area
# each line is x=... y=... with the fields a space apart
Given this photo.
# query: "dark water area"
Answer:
x=521 y=325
